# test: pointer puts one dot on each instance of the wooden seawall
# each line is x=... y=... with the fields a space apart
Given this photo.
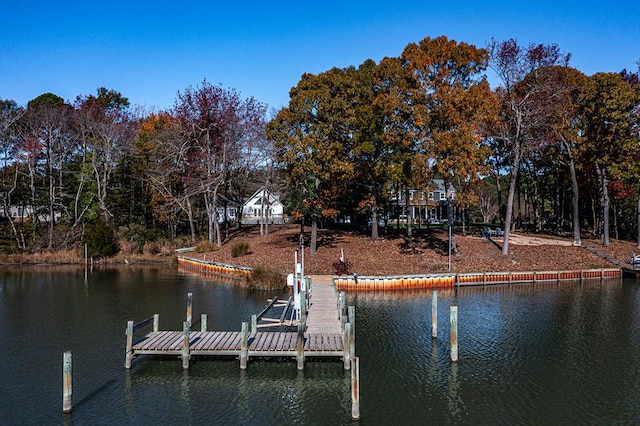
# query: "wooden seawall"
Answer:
x=378 y=283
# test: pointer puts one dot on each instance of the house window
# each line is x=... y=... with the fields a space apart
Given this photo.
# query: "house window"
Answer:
x=411 y=195
x=431 y=196
x=443 y=196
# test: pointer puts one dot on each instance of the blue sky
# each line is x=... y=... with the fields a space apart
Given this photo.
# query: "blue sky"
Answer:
x=149 y=51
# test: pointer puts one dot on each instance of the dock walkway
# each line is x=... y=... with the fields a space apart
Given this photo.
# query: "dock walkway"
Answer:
x=323 y=315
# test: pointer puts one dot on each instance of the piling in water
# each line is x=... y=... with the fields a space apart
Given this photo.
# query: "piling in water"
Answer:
x=453 y=317
x=355 y=389
x=434 y=315
x=67 y=383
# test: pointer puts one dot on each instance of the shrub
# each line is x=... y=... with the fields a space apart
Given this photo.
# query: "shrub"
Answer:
x=100 y=240
x=239 y=249
x=205 y=246
x=342 y=267
x=265 y=278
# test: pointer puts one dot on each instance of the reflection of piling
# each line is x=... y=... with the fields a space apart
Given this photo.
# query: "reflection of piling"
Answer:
x=67 y=383
x=453 y=317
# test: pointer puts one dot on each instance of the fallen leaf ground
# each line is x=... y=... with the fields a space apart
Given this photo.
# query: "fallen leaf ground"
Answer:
x=428 y=253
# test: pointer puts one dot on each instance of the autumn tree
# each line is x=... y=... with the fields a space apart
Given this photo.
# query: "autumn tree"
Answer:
x=512 y=63
x=557 y=94
x=394 y=86
x=452 y=101
x=216 y=124
x=313 y=141
x=107 y=132
x=10 y=114
x=609 y=123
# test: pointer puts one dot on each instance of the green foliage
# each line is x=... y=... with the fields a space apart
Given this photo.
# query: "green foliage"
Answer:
x=265 y=278
x=240 y=249
x=100 y=240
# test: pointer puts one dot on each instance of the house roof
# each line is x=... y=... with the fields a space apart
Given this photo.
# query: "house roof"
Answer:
x=257 y=196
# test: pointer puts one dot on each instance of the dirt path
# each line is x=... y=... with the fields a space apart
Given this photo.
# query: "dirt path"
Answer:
x=527 y=240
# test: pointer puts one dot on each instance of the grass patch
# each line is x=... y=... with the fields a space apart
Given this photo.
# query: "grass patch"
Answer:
x=239 y=249
x=265 y=278
x=205 y=246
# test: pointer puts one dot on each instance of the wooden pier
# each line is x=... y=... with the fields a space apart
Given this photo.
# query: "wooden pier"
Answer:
x=325 y=331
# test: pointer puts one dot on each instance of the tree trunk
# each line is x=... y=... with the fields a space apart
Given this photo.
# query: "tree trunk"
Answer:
x=192 y=225
x=638 y=221
x=575 y=205
x=604 y=202
x=510 y=199
x=450 y=218
x=314 y=235
x=374 y=223
x=409 y=218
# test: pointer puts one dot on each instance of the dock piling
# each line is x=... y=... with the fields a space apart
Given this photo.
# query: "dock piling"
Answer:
x=300 y=343
x=186 y=327
x=453 y=318
x=434 y=315
x=67 y=383
x=355 y=389
x=244 y=349
x=203 y=322
x=346 y=357
x=189 y=307
x=129 y=347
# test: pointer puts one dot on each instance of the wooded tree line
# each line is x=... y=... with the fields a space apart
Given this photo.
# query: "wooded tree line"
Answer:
x=563 y=143
x=70 y=170
x=351 y=136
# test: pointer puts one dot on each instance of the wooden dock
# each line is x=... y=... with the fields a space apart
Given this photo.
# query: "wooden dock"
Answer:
x=229 y=343
x=325 y=331
x=324 y=314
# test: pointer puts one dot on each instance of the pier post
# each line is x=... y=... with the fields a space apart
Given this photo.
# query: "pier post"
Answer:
x=355 y=389
x=67 y=383
x=352 y=331
x=254 y=323
x=300 y=343
x=346 y=343
x=129 y=347
x=186 y=326
x=453 y=317
x=203 y=322
x=352 y=318
x=189 y=307
x=434 y=314
x=303 y=303
x=341 y=308
x=156 y=323
x=244 y=348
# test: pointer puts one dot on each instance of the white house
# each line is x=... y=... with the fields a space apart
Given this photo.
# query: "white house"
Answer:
x=263 y=205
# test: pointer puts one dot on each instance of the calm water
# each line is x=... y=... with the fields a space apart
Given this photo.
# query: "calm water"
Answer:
x=544 y=354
